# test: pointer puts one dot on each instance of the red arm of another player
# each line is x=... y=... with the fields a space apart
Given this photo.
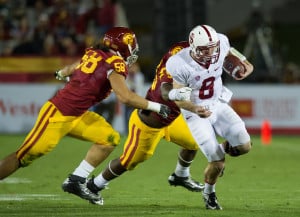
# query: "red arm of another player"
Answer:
x=65 y=73
x=126 y=96
x=68 y=70
x=165 y=89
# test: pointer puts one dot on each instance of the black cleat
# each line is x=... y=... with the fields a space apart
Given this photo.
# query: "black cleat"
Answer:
x=77 y=185
x=185 y=182
x=211 y=201
x=95 y=190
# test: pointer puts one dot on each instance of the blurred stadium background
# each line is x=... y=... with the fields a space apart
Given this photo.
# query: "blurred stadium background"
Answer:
x=38 y=37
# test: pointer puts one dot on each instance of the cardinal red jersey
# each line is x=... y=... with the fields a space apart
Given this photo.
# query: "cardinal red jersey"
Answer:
x=162 y=76
x=89 y=82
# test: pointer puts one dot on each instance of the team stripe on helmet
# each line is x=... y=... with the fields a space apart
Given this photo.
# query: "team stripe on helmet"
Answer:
x=207 y=32
x=113 y=58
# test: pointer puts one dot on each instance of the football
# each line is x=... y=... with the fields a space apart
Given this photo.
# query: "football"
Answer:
x=233 y=66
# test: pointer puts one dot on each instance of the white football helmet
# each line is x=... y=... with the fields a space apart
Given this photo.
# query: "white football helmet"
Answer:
x=204 y=44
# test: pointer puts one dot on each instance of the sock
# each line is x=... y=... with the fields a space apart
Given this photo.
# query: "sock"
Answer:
x=182 y=171
x=208 y=188
x=84 y=169
x=100 y=182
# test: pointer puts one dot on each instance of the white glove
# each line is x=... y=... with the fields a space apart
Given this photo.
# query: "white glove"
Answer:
x=181 y=94
x=60 y=77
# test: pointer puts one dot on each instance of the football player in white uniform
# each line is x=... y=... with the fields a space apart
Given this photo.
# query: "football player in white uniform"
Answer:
x=199 y=67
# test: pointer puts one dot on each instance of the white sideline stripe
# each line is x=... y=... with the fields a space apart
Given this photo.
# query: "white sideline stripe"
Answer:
x=20 y=197
x=15 y=181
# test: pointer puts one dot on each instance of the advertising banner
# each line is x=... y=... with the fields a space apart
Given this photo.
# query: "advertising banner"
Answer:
x=20 y=104
x=277 y=104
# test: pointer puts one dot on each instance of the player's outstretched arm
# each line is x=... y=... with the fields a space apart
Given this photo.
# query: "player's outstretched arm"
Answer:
x=199 y=110
x=126 y=96
x=64 y=73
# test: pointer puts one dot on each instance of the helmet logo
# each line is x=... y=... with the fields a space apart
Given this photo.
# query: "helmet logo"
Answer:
x=192 y=35
x=128 y=39
x=106 y=43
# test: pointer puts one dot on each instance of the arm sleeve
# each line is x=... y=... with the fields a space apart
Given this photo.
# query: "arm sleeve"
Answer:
x=225 y=44
x=177 y=71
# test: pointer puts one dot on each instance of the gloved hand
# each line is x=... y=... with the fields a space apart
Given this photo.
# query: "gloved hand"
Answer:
x=60 y=77
x=160 y=109
x=164 y=111
x=180 y=94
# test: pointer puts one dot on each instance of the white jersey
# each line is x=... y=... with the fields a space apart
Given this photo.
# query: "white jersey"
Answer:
x=206 y=83
x=208 y=91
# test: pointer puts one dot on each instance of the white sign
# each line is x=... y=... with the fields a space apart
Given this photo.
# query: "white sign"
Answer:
x=279 y=104
x=20 y=104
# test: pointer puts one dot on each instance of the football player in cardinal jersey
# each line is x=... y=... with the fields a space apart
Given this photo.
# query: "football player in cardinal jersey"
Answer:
x=100 y=70
x=146 y=129
x=200 y=67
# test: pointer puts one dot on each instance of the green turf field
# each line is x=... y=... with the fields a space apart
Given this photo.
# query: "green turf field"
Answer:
x=265 y=182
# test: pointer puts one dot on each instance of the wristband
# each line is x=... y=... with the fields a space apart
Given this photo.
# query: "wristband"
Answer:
x=237 y=54
x=172 y=94
x=153 y=106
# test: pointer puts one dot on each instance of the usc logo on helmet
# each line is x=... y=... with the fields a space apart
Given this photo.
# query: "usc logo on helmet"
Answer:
x=128 y=39
x=106 y=42
x=177 y=47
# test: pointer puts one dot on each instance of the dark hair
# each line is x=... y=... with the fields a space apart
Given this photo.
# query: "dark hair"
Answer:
x=100 y=46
